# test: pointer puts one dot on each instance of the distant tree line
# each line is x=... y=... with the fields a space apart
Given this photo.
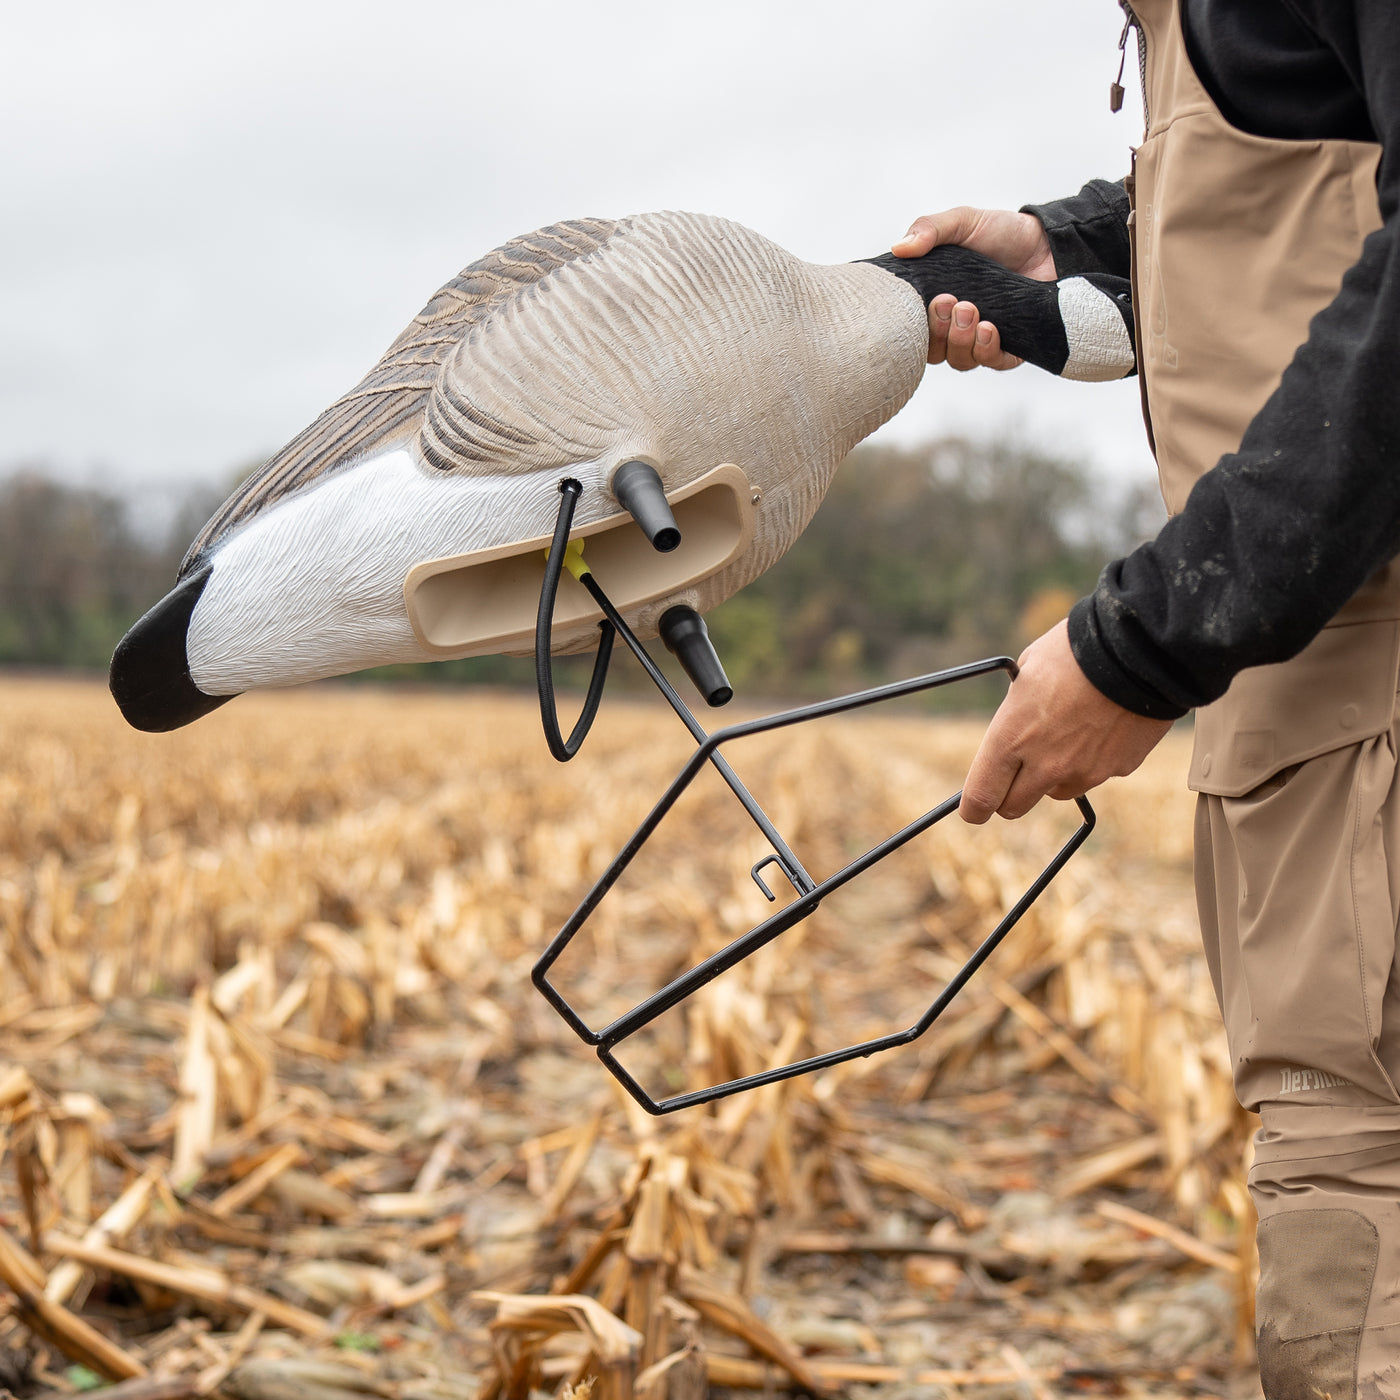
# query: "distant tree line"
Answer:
x=918 y=558
x=926 y=557
x=75 y=571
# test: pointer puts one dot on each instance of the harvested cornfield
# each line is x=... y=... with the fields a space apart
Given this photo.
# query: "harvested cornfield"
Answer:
x=281 y=1115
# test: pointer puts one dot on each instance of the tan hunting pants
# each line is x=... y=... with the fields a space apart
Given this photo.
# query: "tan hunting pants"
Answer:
x=1299 y=890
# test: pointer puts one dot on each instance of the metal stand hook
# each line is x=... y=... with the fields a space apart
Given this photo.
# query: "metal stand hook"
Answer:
x=564 y=749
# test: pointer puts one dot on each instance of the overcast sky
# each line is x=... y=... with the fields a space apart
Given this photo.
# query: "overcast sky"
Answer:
x=215 y=218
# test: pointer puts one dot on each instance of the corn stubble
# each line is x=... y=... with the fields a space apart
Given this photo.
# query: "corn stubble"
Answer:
x=280 y=1114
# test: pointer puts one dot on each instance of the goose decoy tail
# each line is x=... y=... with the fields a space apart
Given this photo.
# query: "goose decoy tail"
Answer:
x=150 y=676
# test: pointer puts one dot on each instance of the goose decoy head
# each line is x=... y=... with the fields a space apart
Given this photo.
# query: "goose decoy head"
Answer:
x=406 y=523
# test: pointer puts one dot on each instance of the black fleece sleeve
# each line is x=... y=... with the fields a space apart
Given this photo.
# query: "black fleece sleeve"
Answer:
x=1088 y=232
x=1280 y=534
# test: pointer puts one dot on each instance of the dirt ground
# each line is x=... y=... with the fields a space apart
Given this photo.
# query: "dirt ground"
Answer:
x=282 y=1116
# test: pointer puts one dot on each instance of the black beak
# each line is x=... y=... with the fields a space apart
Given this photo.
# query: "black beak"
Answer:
x=150 y=676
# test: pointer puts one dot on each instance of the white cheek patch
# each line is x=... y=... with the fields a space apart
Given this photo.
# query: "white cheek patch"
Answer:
x=314 y=586
x=1100 y=347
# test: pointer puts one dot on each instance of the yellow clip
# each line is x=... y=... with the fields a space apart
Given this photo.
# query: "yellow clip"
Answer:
x=573 y=559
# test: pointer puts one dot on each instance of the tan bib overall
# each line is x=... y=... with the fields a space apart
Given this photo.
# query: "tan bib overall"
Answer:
x=1238 y=242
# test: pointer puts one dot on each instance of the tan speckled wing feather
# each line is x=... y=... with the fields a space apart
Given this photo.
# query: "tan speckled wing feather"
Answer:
x=389 y=401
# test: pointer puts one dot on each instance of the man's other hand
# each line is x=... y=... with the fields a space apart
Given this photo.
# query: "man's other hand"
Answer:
x=956 y=335
x=1055 y=735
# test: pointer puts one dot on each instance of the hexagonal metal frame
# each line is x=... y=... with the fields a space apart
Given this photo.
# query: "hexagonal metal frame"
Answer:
x=810 y=892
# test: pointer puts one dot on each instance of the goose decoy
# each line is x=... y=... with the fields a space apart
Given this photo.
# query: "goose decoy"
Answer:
x=407 y=522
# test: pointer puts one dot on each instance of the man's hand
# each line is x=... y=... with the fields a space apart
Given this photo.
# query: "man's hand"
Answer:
x=1016 y=241
x=1055 y=735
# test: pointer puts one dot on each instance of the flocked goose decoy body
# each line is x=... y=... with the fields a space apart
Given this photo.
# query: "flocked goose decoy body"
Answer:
x=407 y=522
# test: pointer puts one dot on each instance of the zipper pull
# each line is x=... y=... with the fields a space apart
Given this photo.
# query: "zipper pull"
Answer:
x=1115 y=88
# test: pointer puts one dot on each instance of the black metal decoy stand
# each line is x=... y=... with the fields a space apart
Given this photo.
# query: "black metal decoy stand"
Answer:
x=684 y=633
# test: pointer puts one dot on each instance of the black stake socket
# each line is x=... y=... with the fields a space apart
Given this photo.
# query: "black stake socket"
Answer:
x=688 y=640
x=638 y=488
